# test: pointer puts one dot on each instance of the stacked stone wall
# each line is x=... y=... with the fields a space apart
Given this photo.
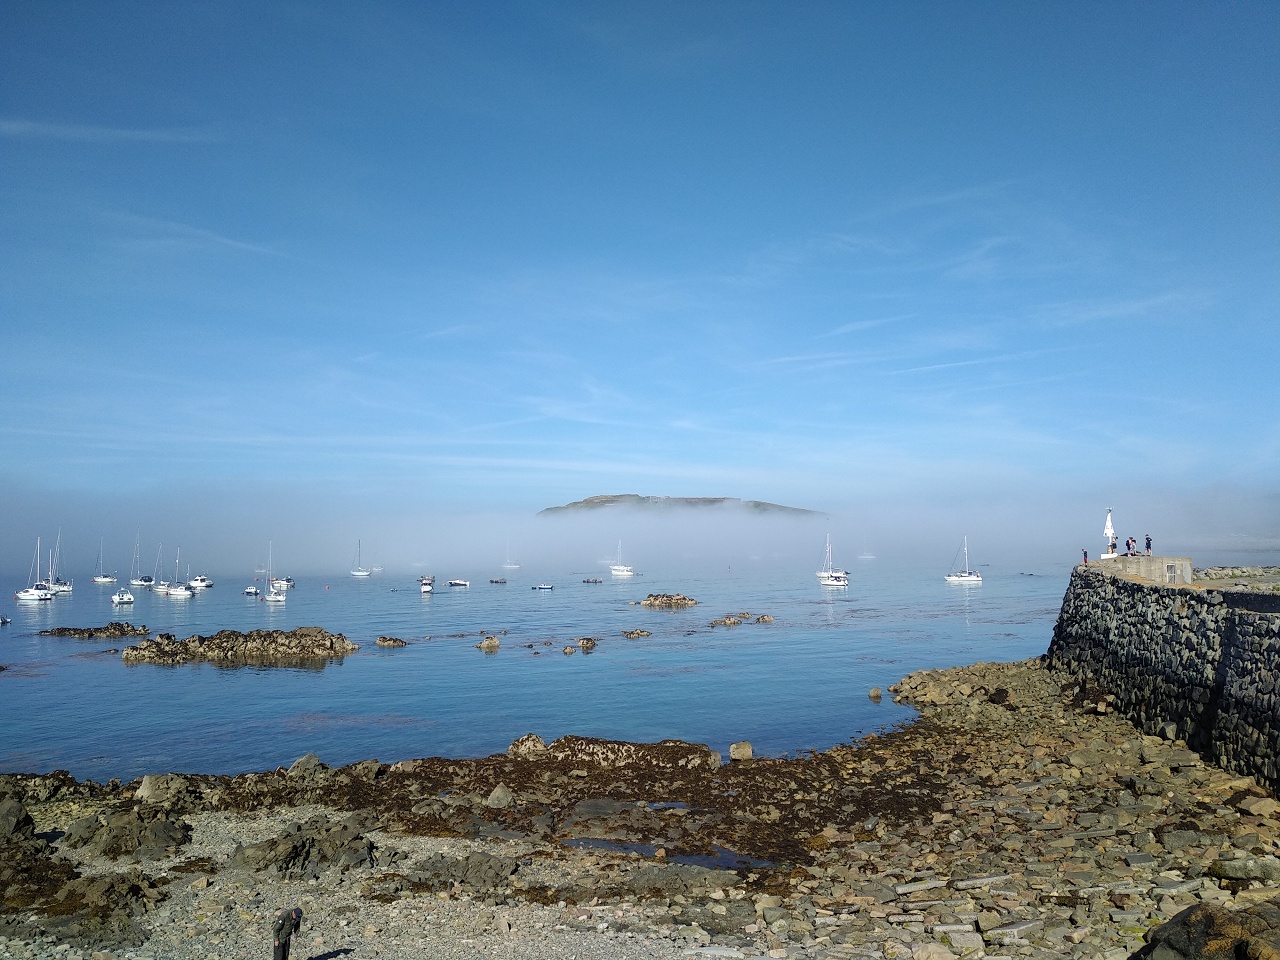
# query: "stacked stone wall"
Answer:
x=1178 y=661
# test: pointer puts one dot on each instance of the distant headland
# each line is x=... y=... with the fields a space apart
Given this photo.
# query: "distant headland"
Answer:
x=636 y=501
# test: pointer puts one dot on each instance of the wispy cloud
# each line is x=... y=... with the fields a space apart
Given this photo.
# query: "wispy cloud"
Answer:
x=1122 y=308
x=91 y=133
x=859 y=325
x=977 y=361
x=171 y=231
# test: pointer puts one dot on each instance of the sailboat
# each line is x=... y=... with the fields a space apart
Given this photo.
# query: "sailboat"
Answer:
x=510 y=564
x=830 y=575
x=178 y=589
x=57 y=586
x=618 y=568
x=274 y=595
x=966 y=575
x=357 y=570
x=136 y=577
x=1109 y=532
x=100 y=575
x=36 y=589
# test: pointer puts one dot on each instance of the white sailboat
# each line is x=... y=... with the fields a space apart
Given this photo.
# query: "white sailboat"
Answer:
x=966 y=575
x=618 y=568
x=36 y=589
x=100 y=575
x=356 y=569
x=136 y=577
x=510 y=564
x=830 y=575
x=56 y=585
x=273 y=595
x=178 y=589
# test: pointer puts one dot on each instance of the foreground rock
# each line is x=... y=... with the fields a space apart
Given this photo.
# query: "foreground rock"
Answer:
x=1018 y=817
x=112 y=631
x=303 y=646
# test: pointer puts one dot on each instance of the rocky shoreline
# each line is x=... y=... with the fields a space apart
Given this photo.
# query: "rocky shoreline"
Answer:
x=1019 y=816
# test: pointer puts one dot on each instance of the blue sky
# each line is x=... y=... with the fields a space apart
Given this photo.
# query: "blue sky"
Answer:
x=336 y=270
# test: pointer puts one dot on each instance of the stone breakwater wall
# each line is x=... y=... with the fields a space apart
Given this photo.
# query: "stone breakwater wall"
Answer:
x=1200 y=665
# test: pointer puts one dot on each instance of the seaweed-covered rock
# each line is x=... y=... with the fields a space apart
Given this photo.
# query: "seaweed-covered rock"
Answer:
x=1209 y=932
x=112 y=631
x=668 y=600
x=304 y=645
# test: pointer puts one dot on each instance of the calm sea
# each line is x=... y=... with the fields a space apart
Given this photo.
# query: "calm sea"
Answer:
x=797 y=684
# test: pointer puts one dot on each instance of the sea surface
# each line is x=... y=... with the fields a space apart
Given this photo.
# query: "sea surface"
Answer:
x=797 y=684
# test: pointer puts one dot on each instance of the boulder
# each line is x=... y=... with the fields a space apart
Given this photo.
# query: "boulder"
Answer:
x=390 y=642
x=529 y=747
x=15 y=822
x=740 y=750
x=1210 y=932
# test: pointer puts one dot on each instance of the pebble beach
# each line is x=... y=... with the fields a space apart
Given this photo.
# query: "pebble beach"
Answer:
x=1015 y=818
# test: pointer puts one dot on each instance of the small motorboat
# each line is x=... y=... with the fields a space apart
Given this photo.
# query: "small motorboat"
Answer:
x=499 y=580
x=593 y=580
x=30 y=594
x=282 y=583
x=179 y=591
x=426 y=585
x=200 y=582
x=120 y=597
x=251 y=590
x=543 y=586
x=459 y=583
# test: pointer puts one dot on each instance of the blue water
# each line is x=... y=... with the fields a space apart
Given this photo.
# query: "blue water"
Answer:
x=797 y=684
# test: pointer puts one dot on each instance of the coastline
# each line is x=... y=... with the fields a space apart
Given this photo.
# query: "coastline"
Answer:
x=1014 y=817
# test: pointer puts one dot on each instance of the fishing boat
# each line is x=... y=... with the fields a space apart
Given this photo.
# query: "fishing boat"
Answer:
x=543 y=586
x=618 y=568
x=829 y=575
x=356 y=569
x=121 y=597
x=965 y=575
x=100 y=575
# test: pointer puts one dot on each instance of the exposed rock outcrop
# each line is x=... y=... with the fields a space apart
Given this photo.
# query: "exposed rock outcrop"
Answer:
x=668 y=600
x=305 y=646
x=112 y=631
